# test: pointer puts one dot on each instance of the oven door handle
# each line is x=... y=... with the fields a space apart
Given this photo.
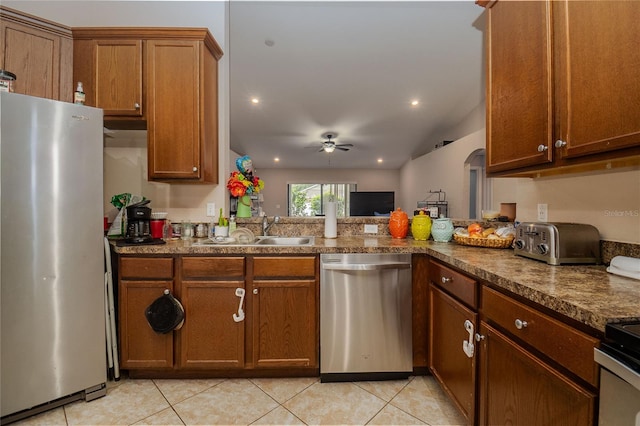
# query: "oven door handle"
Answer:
x=617 y=368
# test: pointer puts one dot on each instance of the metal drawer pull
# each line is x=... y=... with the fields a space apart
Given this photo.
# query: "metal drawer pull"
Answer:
x=542 y=148
x=479 y=337
x=521 y=324
x=560 y=143
x=446 y=280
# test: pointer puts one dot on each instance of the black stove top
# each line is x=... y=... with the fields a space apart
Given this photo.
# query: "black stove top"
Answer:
x=623 y=341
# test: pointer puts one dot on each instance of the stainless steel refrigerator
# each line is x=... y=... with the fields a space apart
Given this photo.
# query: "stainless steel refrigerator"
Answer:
x=52 y=250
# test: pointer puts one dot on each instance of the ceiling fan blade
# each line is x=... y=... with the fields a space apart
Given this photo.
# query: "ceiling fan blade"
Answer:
x=342 y=148
x=345 y=144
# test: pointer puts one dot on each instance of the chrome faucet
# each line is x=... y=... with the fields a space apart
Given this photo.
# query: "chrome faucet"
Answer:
x=266 y=225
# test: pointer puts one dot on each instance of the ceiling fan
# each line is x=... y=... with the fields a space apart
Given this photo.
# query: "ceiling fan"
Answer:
x=330 y=146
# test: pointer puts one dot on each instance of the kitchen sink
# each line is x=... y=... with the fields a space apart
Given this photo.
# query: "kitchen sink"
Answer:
x=284 y=241
x=262 y=241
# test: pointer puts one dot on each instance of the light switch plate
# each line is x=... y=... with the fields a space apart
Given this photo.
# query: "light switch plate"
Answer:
x=211 y=209
x=370 y=229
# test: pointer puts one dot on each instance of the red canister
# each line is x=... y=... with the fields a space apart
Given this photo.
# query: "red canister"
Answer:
x=157 y=228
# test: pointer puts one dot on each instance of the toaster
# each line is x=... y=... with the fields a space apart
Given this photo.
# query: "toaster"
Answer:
x=558 y=243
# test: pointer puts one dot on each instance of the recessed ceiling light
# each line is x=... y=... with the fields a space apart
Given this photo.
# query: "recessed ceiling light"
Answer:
x=415 y=102
x=379 y=160
x=269 y=42
x=276 y=160
x=255 y=100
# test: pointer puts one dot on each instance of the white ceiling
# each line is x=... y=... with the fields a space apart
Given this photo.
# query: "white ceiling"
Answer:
x=351 y=68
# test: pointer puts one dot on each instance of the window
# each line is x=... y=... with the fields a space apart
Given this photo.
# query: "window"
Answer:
x=308 y=199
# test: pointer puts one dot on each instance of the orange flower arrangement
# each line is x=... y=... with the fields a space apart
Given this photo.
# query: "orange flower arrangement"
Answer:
x=243 y=182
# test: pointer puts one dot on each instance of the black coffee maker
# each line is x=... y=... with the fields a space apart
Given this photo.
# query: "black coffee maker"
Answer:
x=139 y=223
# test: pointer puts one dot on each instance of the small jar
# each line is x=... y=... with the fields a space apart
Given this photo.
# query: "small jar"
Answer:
x=421 y=227
x=202 y=230
x=398 y=224
x=6 y=81
x=442 y=230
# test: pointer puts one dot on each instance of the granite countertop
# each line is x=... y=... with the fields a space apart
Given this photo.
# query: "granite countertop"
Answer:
x=586 y=293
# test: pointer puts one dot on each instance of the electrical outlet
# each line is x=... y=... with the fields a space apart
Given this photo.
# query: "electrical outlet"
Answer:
x=211 y=209
x=370 y=229
x=543 y=212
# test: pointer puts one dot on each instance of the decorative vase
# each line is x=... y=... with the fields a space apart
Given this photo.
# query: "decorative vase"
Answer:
x=442 y=230
x=421 y=227
x=244 y=206
x=398 y=223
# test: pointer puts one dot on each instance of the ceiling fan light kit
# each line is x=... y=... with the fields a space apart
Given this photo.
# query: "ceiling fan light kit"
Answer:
x=329 y=146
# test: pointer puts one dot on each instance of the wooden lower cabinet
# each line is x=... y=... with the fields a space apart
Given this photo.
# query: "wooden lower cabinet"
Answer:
x=518 y=388
x=210 y=338
x=285 y=311
x=284 y=323
x=141 y=281
x=452 y=368
x=277 y=330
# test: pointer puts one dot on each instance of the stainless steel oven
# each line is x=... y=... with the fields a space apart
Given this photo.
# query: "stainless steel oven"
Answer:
x=619 y=359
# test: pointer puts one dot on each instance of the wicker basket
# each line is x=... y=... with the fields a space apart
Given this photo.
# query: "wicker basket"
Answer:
x=484 y=242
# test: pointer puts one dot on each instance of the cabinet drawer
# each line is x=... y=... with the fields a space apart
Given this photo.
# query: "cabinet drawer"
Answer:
x=560 y=342
x=146 y=267
x=289 y=266
x=454 y=283
x=212 y=267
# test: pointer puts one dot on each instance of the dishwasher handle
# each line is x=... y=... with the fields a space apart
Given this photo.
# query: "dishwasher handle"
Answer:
x=365 y=266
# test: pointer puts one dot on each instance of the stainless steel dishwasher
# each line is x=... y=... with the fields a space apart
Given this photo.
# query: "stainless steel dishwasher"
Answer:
x=365 y=317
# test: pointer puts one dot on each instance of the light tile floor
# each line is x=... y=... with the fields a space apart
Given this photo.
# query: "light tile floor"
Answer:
x=296 y=401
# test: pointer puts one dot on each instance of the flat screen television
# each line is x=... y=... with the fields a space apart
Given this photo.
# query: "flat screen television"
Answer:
x=371 y=203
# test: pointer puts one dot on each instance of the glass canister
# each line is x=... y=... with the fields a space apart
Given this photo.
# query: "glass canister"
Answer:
x=442 y=230
x=421 y=227
x=398 y=224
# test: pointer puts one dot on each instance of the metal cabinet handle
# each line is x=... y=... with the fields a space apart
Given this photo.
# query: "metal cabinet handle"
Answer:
x=136 y=105
x=521 y=324
x=255 y=291
x=560 y=143
x=195 y=169
x=542 y=148
x=446 y=280
x=479 y=337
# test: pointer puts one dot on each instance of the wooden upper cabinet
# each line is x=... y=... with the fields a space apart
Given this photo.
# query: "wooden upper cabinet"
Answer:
x=519 y=85
x=164 y=80
x=173 y=67
x=560 y=82
x=39 y=52
x=112 y=78
x=597 y=78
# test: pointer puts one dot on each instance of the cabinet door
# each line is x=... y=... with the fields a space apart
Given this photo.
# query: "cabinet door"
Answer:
x=140 y=346
x=210 y=338
x=597 y=60
x=450 y=365
x=519 y=85
x=517 y=388
x=34 y=56
x=118 y=77
x=285 y=325
x=173 y=93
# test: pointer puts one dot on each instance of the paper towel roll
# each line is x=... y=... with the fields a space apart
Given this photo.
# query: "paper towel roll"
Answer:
x=330 y=221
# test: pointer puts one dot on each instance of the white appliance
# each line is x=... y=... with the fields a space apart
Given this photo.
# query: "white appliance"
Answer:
x=52 y=275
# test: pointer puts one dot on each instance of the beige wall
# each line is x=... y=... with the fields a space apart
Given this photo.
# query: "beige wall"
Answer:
x=276 y=181
x=608 y=200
